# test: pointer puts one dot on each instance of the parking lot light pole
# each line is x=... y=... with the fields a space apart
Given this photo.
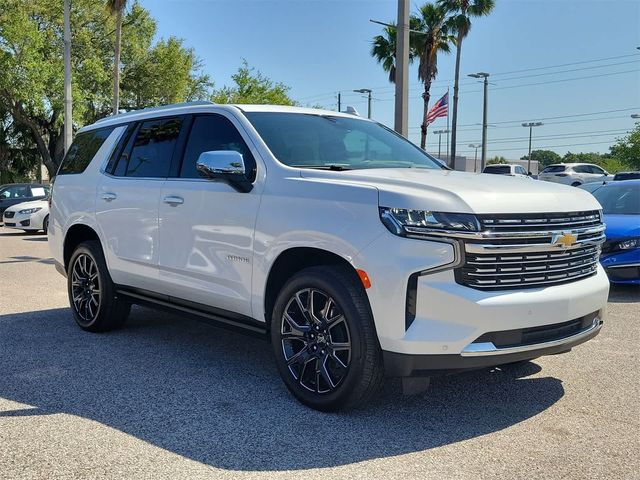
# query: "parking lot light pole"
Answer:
x=485 y=76
x=475 y=160
x=368 y=92
x=440 y=133
x=530 y=125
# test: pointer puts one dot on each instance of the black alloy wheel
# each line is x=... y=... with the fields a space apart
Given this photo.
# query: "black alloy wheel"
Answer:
x=85 y=288
x=324 y=339
x=315 y=339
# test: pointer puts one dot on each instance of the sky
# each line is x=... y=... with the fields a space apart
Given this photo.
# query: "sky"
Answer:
x=572 y=64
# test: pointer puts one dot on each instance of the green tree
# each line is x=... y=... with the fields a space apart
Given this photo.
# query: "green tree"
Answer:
x=252 y=87
x=383 y=50
x=497 y=159
x=543 y=157
x=31 y=67
x=461 y=12
x=117 y=7
x=431 y=20
x=627 y=149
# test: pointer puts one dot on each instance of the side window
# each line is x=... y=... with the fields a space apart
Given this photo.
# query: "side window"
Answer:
x=82 y=150
x=596 y=170
x=521 y=170
x=582 y=169
x=212 y=133
x=152 y=149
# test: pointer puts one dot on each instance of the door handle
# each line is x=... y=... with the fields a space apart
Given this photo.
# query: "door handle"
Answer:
x=108 y=196
x=173 y=200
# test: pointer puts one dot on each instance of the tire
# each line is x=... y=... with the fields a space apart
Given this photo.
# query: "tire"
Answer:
x=330 y=360
x=45 y=225
x=92 y=295
x=576 y=184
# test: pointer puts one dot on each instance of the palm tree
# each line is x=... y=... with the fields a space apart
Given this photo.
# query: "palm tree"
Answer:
x=431 y=19
x=117 y=7
x=384 y=51
x=460 y=14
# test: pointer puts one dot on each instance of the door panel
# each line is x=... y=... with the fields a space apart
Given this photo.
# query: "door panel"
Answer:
x=206 y=227
x=127 y=202
x=127 y=213
x=206 y=243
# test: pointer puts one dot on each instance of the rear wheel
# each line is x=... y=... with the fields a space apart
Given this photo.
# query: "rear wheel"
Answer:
x=324 y=339
x=92 y=295
x=576 y=184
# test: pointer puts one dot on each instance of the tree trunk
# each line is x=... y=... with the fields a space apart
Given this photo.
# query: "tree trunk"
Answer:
x=454 y=117
x=423 y=129
x=116 y=63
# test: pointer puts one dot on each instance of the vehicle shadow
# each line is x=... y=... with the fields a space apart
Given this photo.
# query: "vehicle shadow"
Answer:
x=215 y=396
x=624 y=293
x=35 y=239
x=28 y=258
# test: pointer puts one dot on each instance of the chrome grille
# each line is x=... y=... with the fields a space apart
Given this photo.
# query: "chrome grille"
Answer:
x=525 y=251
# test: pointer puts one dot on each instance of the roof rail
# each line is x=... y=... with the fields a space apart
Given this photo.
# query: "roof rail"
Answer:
x=154 y=109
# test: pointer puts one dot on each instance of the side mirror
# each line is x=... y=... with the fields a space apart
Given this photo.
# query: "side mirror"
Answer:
x=226 y=166
x=530 y=174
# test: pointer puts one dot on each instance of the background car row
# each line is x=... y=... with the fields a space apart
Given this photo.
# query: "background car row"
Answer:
x=24 y=206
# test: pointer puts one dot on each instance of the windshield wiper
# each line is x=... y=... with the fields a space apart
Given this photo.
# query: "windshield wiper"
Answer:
x=333 y=167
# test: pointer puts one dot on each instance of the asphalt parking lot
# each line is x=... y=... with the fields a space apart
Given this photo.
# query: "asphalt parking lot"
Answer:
x=168 y=397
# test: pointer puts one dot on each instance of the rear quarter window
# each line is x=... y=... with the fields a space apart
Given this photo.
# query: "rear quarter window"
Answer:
x=82 y=151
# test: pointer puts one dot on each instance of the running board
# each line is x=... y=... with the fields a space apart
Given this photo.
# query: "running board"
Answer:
x=210 y=315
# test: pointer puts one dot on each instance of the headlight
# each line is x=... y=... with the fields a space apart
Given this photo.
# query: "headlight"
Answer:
x=28 y=211
x=402 y=221
x=627 y=244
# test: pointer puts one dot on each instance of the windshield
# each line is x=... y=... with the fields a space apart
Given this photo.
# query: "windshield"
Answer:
x=619 y=199
x=335 y=142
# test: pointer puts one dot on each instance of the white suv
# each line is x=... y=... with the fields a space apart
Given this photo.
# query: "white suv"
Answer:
x=574 y=174
x=506 y=169
x=352 y=250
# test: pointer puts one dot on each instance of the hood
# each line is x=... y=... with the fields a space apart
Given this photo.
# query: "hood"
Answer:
x=452 y=191
x=622 y=226
x=32 y=204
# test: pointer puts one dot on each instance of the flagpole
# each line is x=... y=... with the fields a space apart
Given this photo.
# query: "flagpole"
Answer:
x=448 y=124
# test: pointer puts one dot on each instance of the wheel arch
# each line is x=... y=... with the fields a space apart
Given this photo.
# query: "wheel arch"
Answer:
x=291 y=261
x=76 y=234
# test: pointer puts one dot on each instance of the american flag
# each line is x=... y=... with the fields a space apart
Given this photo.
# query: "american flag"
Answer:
x=439 y=109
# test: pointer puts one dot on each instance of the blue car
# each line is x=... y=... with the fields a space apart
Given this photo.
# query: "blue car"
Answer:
x=621 y=252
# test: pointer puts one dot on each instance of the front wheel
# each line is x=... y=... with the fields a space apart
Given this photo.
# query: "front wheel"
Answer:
x=324 y=339
x=92 y=295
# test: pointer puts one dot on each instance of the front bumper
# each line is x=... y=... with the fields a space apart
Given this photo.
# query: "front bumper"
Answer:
x=482 y=354
x=21 y=221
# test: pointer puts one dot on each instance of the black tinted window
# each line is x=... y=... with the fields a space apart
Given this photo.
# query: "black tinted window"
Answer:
x=153 y=148
x=211 y=133
x=554 y=169
x=506 y=170
x=82 y=150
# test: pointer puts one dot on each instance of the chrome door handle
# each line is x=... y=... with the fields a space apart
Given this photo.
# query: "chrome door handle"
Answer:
x=108 y=196
x=173 y=200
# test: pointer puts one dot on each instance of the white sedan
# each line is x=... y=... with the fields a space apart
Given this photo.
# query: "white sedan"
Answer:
x=28 y=216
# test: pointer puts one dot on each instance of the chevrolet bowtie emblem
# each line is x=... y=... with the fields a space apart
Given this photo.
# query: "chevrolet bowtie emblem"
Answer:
x=565 y=240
